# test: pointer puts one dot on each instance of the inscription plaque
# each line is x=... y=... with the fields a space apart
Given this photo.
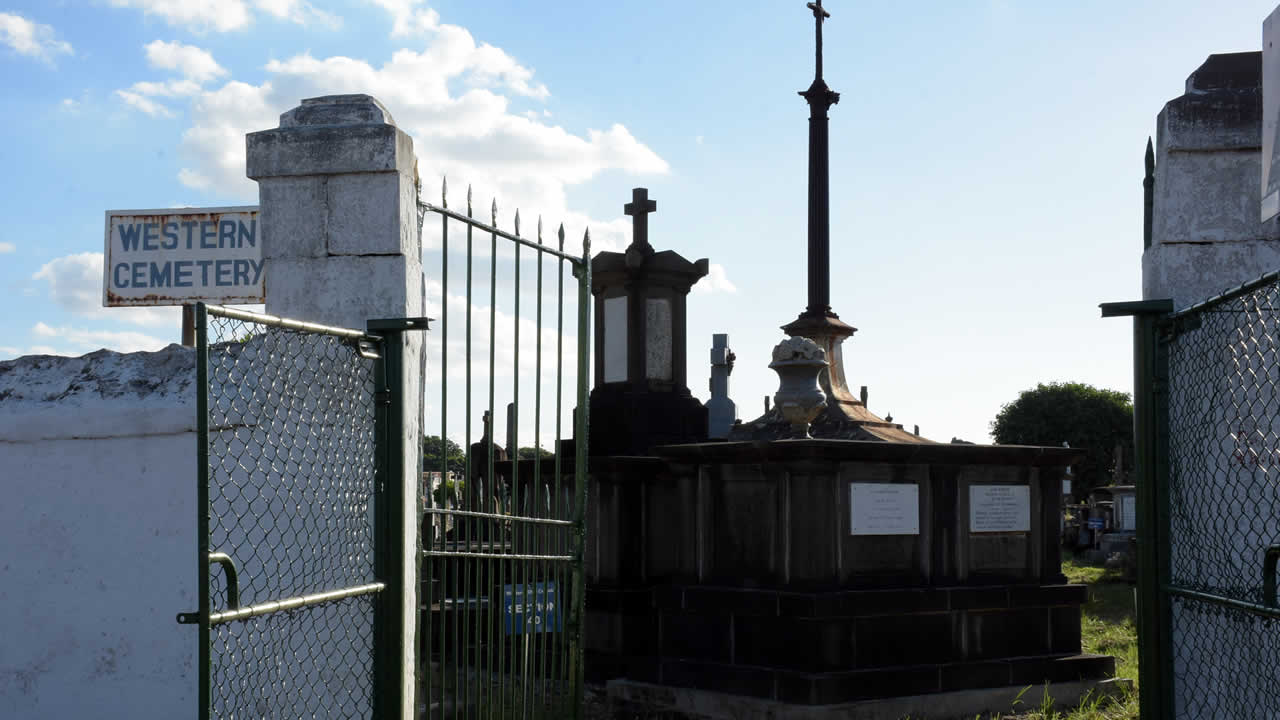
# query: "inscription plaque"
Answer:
x=884 y=509
x=999 y=508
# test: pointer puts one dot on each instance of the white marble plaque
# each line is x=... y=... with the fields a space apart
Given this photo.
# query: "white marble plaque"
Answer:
x=615 y=339
x=999 y=508
x=884 y=509
x=658 y=332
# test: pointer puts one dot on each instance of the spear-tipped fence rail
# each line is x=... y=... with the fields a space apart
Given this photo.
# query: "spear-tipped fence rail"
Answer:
x=502 y=558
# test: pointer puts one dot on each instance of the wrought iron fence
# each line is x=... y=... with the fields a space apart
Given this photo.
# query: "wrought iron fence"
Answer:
x=288 y=500
x=503 y=554
x=1207 y=421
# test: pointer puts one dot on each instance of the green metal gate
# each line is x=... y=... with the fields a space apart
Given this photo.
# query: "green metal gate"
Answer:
x=503 y=528
x=295 y=580
x=1207 y=425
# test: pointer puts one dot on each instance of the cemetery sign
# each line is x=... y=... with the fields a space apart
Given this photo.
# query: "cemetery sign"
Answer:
x=177 y=256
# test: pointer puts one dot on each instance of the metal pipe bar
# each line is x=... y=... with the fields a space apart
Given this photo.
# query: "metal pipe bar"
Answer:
x=233 y=580
x=470 y=577
x=285 y=323
x=1246 y=606
x=497 y=556
x=294 y=603
x=493 y=230
x=499 y=516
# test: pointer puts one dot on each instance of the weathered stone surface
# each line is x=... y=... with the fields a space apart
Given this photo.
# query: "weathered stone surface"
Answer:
x=1206 y=236
x=372 y=214
x=294 y=228
x=320 y=289
x=94 y=395
x=355 y=109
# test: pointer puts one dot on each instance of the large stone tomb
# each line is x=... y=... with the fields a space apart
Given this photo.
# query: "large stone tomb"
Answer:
x=817 y=572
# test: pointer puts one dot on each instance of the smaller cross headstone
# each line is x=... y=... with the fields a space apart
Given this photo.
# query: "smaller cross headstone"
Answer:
x=721 y=411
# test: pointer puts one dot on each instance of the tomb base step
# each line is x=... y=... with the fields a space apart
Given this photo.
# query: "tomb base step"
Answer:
x=629 y=699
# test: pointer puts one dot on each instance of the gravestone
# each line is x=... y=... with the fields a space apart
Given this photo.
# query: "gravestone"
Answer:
x=721 y=411
x=641 y=396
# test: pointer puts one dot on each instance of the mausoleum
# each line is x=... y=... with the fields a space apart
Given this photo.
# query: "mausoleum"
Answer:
x=822 y=559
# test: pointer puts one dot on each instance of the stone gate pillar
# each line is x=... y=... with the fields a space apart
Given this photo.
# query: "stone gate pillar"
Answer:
x=338 y=189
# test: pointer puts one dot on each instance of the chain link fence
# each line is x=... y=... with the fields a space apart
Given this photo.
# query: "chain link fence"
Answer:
x=290 y=527
x=1223 y=504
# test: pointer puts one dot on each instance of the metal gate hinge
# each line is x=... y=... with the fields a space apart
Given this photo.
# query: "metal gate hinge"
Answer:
x=382 y=397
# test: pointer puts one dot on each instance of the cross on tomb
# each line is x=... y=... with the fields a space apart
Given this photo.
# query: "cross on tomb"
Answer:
x=639 y=209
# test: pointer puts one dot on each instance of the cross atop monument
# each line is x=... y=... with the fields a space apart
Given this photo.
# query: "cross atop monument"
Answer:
x=819 y=14
x=639 y=209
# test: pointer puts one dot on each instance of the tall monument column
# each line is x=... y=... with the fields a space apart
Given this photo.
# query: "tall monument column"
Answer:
x=338 y=188
x=845 y=416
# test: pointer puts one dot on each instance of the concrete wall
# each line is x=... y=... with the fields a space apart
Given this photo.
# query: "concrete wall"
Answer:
x=97 y=527
x=1205 y=233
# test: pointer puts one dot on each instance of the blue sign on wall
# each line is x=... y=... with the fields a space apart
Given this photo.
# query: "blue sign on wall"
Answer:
x=530 y=608
x=1095 y=523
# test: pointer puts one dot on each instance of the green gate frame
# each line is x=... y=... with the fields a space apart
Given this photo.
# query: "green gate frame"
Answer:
x=383 y=346
x=1156 y=326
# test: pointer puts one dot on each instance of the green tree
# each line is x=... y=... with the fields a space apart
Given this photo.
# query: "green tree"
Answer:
x=528 y=453
x=432 y=454
x=1091 y=419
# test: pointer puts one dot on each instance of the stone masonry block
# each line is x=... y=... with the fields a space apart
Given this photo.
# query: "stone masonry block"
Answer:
x=293 y=226
x=344 y=291
x=372 y=214
x=329 y=150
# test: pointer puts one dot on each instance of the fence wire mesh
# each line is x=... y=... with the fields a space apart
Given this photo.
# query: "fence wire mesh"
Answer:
x=291 y=494
x=1224 y=503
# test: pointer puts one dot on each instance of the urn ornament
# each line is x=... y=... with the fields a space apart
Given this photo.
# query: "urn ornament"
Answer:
x=799 y=399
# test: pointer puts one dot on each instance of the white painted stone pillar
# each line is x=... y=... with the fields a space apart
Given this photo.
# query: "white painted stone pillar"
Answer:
x=338 y=188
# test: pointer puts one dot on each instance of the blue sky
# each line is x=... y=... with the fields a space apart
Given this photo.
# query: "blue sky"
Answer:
x=986 y=157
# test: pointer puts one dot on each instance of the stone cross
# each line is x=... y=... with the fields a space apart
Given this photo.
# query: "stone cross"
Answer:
x=639 y=209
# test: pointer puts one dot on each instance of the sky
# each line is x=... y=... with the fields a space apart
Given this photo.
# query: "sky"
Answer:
x=986 y=159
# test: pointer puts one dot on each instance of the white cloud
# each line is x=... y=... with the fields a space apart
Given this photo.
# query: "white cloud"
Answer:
x=227 y=15
x=75 y=285
x=193 y=63
x=127 y=341
x=220 y=15
x=298 y=11
x=451 y=94
x=145 y=104
x=7 y=247
x=717 y=280
x=31 y=38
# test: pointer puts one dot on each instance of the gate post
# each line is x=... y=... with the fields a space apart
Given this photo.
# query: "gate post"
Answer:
x=1150 y=441
x=338 y=190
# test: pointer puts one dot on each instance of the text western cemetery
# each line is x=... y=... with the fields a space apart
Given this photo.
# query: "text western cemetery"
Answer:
x=159 y=257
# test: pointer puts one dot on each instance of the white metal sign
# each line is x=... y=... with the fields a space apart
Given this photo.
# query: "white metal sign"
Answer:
x=884 y=509
x=1270 y=115
x=183 y=255
x=999 y=508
